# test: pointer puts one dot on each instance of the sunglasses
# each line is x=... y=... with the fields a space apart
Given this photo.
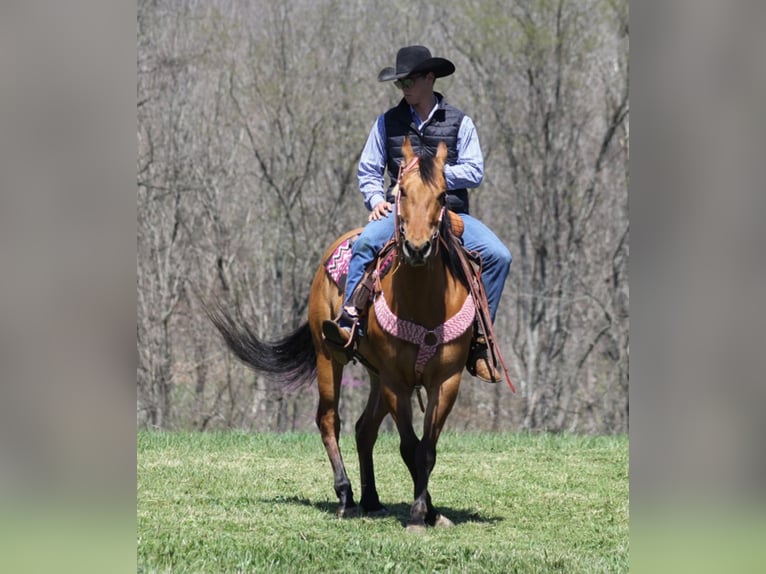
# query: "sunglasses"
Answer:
x=407 y=82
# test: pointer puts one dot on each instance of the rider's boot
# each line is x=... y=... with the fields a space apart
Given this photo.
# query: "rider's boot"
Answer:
x=340 y=334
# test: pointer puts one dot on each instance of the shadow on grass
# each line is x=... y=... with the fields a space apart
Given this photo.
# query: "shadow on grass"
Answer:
x=400 y=511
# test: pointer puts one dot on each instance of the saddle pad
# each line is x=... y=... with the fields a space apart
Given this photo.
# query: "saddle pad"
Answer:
x=337 y=264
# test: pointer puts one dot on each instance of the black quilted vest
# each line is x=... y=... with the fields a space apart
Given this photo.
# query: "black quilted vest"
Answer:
x=443 y=126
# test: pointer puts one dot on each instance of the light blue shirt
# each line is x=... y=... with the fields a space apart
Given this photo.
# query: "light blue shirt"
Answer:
x=467 y=172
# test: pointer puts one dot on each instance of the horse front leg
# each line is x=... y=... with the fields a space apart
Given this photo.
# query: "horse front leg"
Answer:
x=400 y=407
x=366 y=435
x=441 y=399
x=329 y=374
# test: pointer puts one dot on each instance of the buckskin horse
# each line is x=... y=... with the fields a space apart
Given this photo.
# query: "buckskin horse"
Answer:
x=417 y=335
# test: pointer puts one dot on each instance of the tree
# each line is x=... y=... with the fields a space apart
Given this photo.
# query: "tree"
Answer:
x=558 y=159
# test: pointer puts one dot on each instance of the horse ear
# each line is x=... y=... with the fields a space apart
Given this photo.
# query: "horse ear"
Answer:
x=407 y=150
x=441 y=153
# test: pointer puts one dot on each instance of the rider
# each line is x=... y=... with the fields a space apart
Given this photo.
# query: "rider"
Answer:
x=427 y=118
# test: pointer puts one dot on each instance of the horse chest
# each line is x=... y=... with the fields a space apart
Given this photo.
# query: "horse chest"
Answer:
x=427 y=340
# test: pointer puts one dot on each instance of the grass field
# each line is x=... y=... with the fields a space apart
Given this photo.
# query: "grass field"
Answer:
x=235 y=502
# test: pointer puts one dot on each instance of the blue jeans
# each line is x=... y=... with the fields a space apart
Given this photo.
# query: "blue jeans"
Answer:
x=495 y=257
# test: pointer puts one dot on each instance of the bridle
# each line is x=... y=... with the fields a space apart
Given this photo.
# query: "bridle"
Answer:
x=398 y=226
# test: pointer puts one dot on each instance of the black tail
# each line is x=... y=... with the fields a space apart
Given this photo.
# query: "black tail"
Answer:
x=291 y=361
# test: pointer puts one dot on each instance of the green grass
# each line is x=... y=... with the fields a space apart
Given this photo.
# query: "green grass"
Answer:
x=235 y=502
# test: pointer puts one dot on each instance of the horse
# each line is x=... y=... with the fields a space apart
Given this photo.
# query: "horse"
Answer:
x=417 y=335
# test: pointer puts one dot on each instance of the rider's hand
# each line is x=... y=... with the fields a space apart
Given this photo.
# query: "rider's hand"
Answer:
x=380 y=211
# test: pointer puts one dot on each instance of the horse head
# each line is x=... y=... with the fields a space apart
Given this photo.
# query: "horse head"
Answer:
x=420 y=204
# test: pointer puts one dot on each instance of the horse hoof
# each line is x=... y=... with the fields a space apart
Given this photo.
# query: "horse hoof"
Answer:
x=443 y=522
x=416 y=528
x=351 y=512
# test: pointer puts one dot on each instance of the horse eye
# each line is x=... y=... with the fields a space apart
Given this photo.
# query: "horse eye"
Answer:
x=442 y=197
x=402 y=191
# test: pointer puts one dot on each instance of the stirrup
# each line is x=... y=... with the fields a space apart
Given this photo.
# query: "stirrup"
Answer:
x=480 y=352
x=339 y=336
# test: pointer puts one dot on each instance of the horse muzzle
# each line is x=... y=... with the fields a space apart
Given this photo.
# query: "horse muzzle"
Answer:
x=416 y=255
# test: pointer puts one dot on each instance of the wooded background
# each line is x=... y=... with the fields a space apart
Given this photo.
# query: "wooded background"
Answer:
x=250 y=119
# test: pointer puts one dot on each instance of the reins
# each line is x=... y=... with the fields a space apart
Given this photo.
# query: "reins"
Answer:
x=476 y=289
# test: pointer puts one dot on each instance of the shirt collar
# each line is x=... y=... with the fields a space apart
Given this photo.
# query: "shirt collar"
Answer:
x=417 y=119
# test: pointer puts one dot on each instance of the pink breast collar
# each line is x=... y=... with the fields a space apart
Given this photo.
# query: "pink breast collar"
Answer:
x=428 y=340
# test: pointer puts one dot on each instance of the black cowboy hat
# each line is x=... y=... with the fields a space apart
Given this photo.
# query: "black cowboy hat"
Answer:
x=413 y=60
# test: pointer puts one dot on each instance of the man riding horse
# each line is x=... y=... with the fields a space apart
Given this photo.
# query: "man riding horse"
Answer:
x=426 y=118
